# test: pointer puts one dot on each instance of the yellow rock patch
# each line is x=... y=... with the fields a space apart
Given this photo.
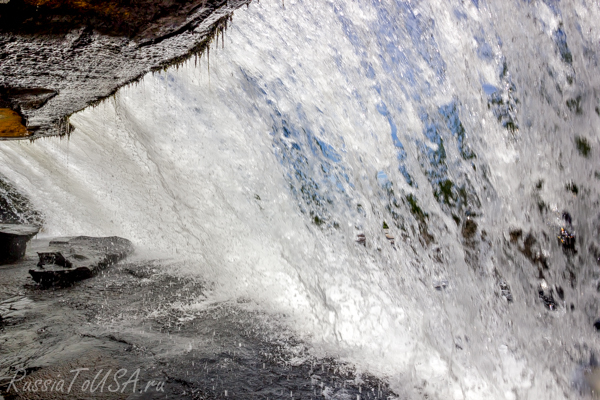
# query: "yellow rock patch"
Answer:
x=10 y=124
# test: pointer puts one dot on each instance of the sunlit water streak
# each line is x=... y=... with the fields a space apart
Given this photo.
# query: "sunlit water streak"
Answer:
x=320 y=121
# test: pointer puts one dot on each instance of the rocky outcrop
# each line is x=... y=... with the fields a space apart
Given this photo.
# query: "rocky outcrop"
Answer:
x=13 y=241
x=71 y=259
x=57 y=57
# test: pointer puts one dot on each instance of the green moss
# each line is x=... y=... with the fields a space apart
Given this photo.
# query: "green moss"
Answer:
x=421 y=218
x=583 y=146
x=257 y=197
x=510 y=126
x=444 y=192
x=415 y=210
x=385 y=225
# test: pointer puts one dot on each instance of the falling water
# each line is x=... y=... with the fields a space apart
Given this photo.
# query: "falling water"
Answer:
x=465 y=131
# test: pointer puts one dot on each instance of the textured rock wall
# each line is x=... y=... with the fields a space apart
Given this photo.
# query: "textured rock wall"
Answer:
x=57 y=57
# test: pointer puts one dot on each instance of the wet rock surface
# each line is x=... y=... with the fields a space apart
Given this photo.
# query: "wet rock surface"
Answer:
x=162 y=332
x=58 y=57
x=13 y=241
x=71 y=259
x=15 y=208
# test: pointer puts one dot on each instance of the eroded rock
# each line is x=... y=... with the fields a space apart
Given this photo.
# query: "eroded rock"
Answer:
x=71 y=259
x=469 y=229
x=57 y=57
x=13 y=241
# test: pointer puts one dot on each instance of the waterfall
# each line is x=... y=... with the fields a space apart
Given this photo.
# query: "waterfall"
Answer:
x=274 y=168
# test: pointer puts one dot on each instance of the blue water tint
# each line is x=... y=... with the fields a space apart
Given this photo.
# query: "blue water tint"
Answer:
x=502 y=100
x=553 y=5
x=383 y=110
x=401 y=155
x=459 y=14
x=404 y=171
x=437 y=168
x=312 y=166
x=425 y=43
x=434 y=158
x=253 y=83
x=328 y=151
x=383 y=180
x=286 y=131
x=402 y=73
x=489 y=89
x=369 y=71
x=450 y=114
x=348 y=28
x=388 y=37
x=431 y=132
x=560 y=38
x=499 y=40
x=484 y=50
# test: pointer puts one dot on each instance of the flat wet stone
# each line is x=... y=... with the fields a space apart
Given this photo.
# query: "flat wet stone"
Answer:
x=71 y=259
x=13 y=241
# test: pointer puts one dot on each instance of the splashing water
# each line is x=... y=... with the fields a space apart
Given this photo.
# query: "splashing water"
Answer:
x=391 y=174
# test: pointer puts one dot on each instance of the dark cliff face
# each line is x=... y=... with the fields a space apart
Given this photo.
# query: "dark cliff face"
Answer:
x=139 y=19
x=57 y=57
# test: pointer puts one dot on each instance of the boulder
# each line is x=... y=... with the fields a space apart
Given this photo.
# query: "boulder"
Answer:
x=71 y=259
x=13 y=241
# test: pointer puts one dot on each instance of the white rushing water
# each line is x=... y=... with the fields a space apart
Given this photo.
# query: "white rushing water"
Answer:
x=320 y=121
